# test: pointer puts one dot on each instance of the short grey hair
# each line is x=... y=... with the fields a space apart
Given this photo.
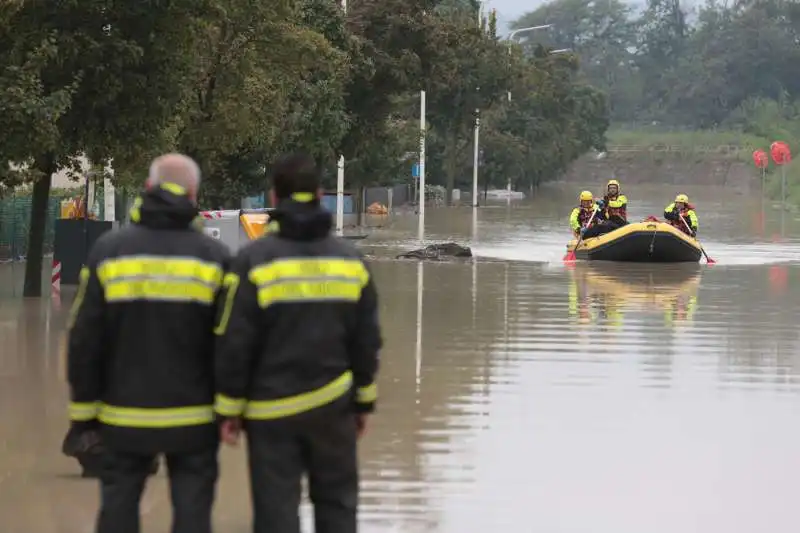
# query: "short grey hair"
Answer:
x=175 y=168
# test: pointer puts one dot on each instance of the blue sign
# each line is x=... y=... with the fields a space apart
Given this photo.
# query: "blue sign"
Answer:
x=415 y=170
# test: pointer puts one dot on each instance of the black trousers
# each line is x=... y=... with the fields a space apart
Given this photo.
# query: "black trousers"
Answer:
x=192 y=479
x=607 y=226
x=321 y=444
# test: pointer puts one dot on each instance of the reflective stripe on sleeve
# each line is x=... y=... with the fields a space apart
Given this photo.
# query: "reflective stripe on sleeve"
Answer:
x=230 y=284
x=367 y=394
x=83 y=411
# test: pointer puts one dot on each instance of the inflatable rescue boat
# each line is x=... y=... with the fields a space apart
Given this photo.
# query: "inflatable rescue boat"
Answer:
x=640 y=242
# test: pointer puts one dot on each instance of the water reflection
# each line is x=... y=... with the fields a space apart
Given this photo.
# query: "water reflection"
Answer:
x=515 y=392
x=602 y=293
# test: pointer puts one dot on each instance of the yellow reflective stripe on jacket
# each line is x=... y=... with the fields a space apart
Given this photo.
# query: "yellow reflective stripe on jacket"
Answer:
x=367 y=394
x=227 y=406
x=83 y=283
x=231 y=284
x=574 y=223
x=692 y=219
x=299 y=280
x=293 y=405
x=618 y=202
x=135 y=213
x=156 y=418
x=159 y=278
x=83 y=412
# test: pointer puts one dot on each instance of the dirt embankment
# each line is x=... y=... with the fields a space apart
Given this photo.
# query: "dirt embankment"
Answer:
x=670 y=167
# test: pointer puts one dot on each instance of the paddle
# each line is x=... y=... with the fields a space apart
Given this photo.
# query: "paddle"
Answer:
x=708 y=259
x=571 y=254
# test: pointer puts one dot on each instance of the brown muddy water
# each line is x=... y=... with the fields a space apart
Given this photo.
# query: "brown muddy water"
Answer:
x=516 y=394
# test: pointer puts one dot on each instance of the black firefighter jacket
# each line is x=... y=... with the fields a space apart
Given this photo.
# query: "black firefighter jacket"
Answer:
x=299 y=322
x=140 y=350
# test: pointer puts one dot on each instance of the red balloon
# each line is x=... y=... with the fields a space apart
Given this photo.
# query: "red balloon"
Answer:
x=778 y=277
x=761 y=159
x=780 y=152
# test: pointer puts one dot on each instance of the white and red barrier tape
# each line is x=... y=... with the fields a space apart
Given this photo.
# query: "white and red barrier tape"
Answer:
x=55 y=277
x=211 y=214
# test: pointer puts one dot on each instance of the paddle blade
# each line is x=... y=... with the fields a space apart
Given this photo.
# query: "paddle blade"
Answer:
x=570 y=257
x=710 y=261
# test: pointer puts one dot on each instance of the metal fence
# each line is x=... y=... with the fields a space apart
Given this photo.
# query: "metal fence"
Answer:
x=15 y=217
x=401 y=194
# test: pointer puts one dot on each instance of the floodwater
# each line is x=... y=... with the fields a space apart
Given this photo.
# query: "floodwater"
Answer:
x=516 y=394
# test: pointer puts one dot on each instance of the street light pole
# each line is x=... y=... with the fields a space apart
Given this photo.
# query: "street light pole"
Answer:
x=340 y=176
x=523 y=30
x=475 y=158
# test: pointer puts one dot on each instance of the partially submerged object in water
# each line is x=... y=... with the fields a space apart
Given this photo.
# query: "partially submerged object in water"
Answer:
x=438 y=252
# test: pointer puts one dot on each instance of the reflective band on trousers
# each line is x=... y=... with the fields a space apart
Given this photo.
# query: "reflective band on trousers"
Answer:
x=160 y=278
x=173 y=417
x=310 y=279
x=293 y=405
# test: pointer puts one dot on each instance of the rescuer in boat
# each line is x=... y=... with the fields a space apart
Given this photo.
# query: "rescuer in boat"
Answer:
x=581 y=215
x=614 y=205
x=681 y=215
x=612 y=211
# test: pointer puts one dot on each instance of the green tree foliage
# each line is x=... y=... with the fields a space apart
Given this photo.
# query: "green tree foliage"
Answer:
x=677 y=65
x=233 y=83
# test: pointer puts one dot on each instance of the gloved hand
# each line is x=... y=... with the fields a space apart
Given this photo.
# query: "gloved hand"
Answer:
x=601 y=204
x=671 y=215
x=583 y=230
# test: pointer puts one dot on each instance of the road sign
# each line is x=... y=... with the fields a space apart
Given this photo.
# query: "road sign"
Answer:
x=415 y=170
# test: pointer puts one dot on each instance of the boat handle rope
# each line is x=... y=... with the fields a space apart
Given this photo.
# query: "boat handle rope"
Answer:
x=653 y=240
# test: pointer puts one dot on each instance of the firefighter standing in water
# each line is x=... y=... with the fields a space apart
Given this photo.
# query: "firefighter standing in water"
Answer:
x=297 y=356
x=580 y=216
x=680 y=214
x=140 y=359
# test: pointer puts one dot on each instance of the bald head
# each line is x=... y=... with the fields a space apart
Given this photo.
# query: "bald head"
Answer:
x=177 y=169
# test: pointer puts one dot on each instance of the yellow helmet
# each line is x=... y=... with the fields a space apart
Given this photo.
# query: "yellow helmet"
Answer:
x=586 y=196
x=682 y=198
x=612 y=182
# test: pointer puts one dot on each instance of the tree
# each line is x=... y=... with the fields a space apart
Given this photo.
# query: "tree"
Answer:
x=104 y=86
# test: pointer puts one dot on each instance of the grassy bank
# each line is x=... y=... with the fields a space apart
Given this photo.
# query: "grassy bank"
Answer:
x=712 y=144
x=728 y=143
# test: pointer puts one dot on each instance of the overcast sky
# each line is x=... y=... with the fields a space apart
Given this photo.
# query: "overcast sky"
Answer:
x=513 y=8
x=510 y=10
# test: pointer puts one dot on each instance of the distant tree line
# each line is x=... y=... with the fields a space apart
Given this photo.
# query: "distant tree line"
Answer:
x=725 y=64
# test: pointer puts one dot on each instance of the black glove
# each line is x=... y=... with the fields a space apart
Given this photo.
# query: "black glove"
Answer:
x=671 y=215
x=601 y=203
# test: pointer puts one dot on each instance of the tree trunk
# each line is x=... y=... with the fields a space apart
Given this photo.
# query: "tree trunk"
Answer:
x=38 y=223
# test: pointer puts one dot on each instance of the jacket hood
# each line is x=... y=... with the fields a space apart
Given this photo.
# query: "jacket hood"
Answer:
x=300 y=220
x=164 y=207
